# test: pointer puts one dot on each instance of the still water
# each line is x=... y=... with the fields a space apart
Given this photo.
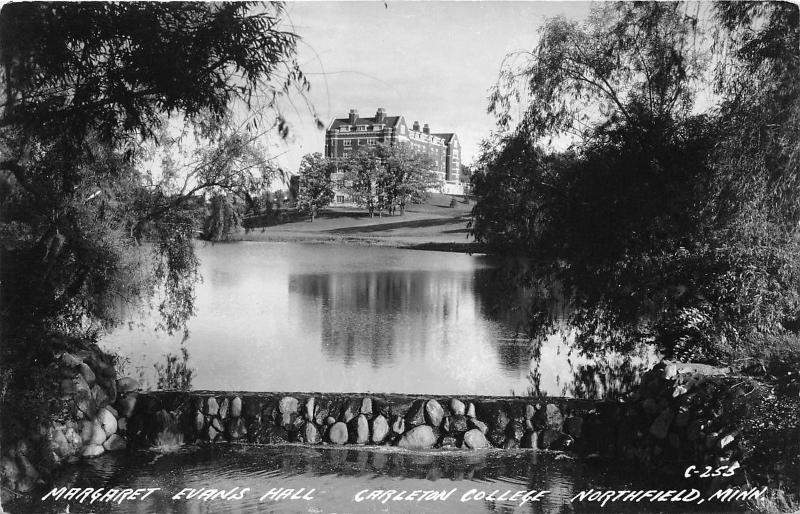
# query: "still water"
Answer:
x=303 y=317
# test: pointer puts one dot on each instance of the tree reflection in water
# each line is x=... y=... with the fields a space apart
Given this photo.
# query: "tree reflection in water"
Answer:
x=374 y=316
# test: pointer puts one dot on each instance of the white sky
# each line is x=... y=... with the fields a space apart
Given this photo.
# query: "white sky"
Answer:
x=431 y=61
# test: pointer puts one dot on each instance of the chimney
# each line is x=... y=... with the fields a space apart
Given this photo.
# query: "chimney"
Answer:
x=353 y=115
x=426 y=129
x=380 y=116
x=415 y=126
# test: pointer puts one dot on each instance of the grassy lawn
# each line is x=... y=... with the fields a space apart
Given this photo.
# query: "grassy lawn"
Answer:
x=433 y=225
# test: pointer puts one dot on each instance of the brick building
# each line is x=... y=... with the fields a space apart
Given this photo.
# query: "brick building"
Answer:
x=346 y=135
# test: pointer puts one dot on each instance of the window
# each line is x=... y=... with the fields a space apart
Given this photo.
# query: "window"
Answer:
x=344 y=129
x=371 y=141
x=361 y=128
x=345 y=154
x=377 y=127
x=339 y=198
x=340 y=184
x=348 y=142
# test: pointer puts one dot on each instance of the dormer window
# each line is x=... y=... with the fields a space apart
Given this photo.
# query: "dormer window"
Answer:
x=345 y=129
x=361 y=128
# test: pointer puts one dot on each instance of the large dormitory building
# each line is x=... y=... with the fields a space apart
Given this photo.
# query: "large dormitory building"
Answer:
x=345 y=135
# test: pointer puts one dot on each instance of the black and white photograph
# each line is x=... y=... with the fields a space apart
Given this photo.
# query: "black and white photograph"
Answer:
x=400 y=257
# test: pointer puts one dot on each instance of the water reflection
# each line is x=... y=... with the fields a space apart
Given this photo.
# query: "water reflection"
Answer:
x=278 y=317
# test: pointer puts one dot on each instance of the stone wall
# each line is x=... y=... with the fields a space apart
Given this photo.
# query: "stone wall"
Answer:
x=405 y=421
x=681 y=414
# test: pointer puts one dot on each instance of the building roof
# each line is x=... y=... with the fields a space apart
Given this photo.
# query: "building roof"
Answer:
x=447 y=136
x=389 y=121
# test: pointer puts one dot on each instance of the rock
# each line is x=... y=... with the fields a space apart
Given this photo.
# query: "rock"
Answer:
x=114 y=443
x=9 y=470
x=480 y=425
x=236 y=428
x=113 y=411
x=510 y=444
x=330 y=420
x=726 y=440
x=338 y=433
x=360 y=434
x=366 y=406
x=670 y=370
x=122 y=424
x=68 y=387
x=87 y=373
x=211 y=406
x=127 y=385
x=458 y=407
x=474 y=439
x=311 y=433
x=99 y=396
x=380 y=429
x=125 y=405
x=515 y=430
x=92 y=450
x=399 y=425
x=458 y=424
x=199 y=421
x=70 y=360
x=217 y=424
x=310 y=403
x=549 y=417
x=660 y=427
x=500 y=419
x=288 y=405
x=416 y=414
x=471 y=410
x=530 y=411
x=212 y=433
x=107 y=421
x=497 y=437
x=92 y=433
x=434 y=413
x=351 y=410
x=236 y=407
x=573 y=426
x=419 y=438
x=224 y=406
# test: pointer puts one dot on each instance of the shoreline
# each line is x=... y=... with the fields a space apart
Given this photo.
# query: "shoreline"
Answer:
x=468 y=247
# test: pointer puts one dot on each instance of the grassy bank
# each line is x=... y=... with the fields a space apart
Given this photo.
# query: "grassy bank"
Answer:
x=432 y=225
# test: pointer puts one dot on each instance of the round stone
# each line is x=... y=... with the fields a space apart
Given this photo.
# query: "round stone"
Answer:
x=338 y=433
x=474 y=439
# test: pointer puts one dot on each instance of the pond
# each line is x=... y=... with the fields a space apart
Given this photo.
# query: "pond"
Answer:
x=328 y=318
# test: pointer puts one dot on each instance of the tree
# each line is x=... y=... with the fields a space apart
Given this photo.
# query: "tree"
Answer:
x=665 y=223
x=363 y=174
x=407 y=177
x=316 y=189
x=88 y=89
x=385 y=176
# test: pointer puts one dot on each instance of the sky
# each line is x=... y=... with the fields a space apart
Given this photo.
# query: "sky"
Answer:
x=429 y=61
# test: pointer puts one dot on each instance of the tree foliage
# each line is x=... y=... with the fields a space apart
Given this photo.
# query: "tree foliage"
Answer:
x=385 y=177
x=315 y=187
x=667 y=219
x=92 y=167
